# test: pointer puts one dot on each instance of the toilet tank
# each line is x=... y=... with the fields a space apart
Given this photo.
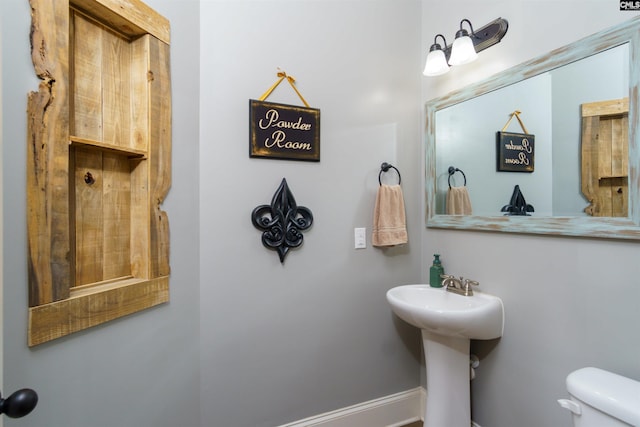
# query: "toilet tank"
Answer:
x=611 y=394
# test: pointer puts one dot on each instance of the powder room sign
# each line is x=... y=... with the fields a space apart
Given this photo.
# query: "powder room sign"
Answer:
x=282 y=131
x=515 y=151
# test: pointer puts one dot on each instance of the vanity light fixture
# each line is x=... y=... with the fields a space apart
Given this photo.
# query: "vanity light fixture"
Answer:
x=436 y=59
x=463 y=50
x=465 y=47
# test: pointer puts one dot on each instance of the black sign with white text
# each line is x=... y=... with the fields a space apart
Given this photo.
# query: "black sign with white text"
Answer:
x=515 y=152
x=282 y=131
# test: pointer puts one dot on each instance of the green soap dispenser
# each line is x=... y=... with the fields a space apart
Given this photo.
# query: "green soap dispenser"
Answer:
x=436 y=270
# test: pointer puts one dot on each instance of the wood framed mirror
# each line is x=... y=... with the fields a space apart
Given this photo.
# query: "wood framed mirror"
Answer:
x=623 y=37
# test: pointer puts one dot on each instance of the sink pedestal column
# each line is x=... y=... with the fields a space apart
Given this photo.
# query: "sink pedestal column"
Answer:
x=448 y=381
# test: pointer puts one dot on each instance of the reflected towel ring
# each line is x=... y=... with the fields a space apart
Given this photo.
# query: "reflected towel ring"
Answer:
x=384 y=168
x=453 y=170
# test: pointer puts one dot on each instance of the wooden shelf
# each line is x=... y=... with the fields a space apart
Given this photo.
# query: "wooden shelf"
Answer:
x=612 y=177
x=131 y=153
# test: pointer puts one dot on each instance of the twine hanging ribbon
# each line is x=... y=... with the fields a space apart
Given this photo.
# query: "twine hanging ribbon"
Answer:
x=283 y=75
x=517 y=115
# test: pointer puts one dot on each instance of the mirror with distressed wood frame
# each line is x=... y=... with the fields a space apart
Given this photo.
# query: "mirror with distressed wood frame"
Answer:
x=587 y=226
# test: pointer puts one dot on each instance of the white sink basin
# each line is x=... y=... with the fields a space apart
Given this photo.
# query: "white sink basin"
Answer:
x=448 y=322
x=479 y=316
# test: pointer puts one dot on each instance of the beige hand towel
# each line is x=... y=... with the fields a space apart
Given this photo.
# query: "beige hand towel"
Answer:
x=458 y=201
x=389 y=221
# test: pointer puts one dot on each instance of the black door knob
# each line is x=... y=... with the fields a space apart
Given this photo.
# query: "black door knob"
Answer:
x=19 y=404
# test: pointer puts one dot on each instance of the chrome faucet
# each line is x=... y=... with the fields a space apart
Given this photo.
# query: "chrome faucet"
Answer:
x=459 y=286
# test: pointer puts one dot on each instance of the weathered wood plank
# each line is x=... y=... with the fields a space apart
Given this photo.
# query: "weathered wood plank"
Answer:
x=130 y=17
x=605 y=108
x=619 y=197
x=602 y=150
x=160 y=152
x=589 y=164
x=93 y=307
x=48 y=156
x=140 y=77
x=88 y=219
x=87 y=78
x=140 y=179
x=619 y=186
x=140 y=218
x=624 y=144
x=130 y=153
x=117 y=217
x=116 y=90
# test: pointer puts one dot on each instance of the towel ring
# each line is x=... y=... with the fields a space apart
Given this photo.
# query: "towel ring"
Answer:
x=384 y=168
x=453 y=170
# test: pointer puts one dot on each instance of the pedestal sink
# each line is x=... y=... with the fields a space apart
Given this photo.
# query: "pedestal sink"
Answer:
x=448 y=322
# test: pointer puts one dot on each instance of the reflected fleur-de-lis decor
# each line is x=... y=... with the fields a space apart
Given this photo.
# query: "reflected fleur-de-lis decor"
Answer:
x=282 y=222
x=518 y=205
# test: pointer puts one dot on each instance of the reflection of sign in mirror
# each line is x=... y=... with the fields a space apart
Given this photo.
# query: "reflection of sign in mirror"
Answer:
x=515 y=152
x=282 y=131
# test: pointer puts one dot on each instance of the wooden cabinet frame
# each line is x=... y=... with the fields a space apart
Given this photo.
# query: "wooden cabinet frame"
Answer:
x=98 y=164
x=604 y=150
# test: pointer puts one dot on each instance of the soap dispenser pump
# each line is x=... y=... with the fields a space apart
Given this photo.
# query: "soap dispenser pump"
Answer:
x=436 y=270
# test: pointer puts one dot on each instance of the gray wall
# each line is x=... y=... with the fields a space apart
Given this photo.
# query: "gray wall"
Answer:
x=140 y=370
x=245 y=341
x=569 y=302
x=281 y=342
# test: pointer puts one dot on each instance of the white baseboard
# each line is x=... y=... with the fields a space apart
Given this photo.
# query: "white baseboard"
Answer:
x=396 y=410
x=391 y=411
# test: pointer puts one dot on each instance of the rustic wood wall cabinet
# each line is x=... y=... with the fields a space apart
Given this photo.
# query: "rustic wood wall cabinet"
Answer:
x=98 y=164
x=605 y=157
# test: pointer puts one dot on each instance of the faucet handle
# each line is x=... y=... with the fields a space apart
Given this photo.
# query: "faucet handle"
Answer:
x=467 y=286
x=447 y=279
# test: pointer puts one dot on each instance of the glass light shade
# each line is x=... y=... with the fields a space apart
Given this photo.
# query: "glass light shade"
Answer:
x=462 y=51
x=436 y=63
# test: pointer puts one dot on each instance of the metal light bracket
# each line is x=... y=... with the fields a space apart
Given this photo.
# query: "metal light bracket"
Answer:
x=485 y=37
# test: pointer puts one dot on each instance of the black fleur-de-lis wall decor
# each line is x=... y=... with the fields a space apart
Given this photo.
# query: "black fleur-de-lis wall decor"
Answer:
x=282 y=222
x=518 y=205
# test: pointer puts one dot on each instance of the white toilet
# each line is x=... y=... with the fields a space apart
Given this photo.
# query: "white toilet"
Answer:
x=602 y=399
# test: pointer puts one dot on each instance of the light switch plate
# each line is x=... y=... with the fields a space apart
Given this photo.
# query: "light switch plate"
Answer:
x=360 y=237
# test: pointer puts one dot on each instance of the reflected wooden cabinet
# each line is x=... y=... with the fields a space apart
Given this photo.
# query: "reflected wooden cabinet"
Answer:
x=99 y=164
x=605 y=157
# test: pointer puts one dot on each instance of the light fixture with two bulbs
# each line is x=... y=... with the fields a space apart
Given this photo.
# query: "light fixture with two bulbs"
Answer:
x=465 y=47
